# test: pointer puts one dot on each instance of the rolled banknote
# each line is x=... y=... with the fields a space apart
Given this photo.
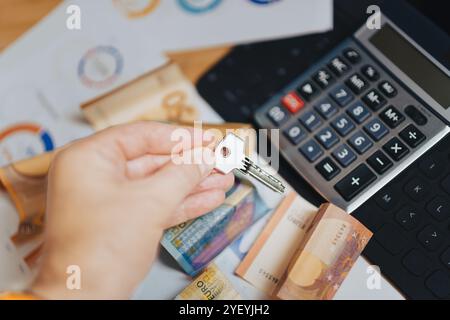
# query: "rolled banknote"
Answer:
x=161 y=95
x=268 y=258
x=211 y=284
x=194 y=244
x=325 y=257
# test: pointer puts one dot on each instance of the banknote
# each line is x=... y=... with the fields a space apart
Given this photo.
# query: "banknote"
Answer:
x=278 y=240
x=325 y=256
x=195 y=243
x=211 y=284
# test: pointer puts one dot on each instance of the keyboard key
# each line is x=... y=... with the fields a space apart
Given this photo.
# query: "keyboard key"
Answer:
x=338 y=66
x=432 y=166
x=355 y=182
x=416 y=262
x=310 y=120
x=293 y=102
x=376 y=129
x=396 y=149
x=379 y=162
x=277 y=115
x=308 y=90
x=439 y=284
x=295 y=133
x=311 y=150
x=417 y=189
x=408 y=218
x=370 y=73
x=328 y=169
x=356 y=83
x=387 y=199
x=374 y=100
x=344 y=155
x=352 y=55
x=412 y=136
x=326 y=108
x=387 y=89
x=341 y=95
x=431 y=237
x=327 y=138
x=343 y=125
x=446 y=184
x=323 y=78
x=439 y=208
x=416 y=115
x=358 y=112
x=392 y=117
x=445 y=258
x=360 y=142
x=390 y=238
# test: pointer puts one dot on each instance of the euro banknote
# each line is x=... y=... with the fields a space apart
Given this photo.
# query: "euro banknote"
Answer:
x=194 y=244
x=325 y=257
x=211 y=284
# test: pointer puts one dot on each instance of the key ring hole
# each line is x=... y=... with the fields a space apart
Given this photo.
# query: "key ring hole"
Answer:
x=225 y=152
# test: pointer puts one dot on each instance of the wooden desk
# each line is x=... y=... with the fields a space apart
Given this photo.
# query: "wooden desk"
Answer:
x=17 y=16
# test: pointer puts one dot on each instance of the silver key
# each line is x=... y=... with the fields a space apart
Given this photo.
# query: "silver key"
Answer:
x=230 y=155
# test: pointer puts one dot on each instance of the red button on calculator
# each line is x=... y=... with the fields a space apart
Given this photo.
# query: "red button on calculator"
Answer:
x=292 y=102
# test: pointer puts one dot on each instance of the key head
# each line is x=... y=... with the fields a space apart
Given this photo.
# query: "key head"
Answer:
x=230 y=154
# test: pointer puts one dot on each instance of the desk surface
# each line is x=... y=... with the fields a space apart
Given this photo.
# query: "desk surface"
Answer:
x=17 y=16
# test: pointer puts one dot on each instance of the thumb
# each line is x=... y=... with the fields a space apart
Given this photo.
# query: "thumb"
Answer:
x=176 y=180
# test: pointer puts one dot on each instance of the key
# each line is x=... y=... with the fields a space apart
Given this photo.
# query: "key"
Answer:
x=230 y=155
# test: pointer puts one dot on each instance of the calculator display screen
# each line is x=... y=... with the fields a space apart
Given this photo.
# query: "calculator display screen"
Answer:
x=413 y=63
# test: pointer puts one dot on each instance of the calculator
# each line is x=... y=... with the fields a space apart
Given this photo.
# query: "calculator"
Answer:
x=358 y=117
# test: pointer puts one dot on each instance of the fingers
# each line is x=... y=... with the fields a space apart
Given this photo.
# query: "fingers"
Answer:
x=145 y=165
x=196 y=205
x=148 y=137
x=216 y=181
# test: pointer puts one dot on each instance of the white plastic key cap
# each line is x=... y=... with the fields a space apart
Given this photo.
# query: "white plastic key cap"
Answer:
x=230 y=154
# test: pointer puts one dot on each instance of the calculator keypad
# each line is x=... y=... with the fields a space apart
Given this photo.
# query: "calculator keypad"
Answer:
x=347 y=118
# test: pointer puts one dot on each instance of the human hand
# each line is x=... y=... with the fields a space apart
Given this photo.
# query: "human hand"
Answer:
x=110 y=196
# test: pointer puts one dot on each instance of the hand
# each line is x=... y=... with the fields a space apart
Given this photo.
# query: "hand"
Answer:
x=110 y=196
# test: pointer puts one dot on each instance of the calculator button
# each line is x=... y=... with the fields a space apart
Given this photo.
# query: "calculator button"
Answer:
x=338 y=66
x=311 y=150
x=416 y=262
x=355 y=182
x=376 y=129
x=352 y=55
x=439 y=208
x=395 y=149
x=408 y=218
x=327 y=138
x=326 y=108
x=430 y=237
x=358 y=112
x=278 y=115
x=344 y=155
x=374 y=100
x=341 y=95
x=356 y=83
x=392 y=117
x=439 y=284
x=417 y=189
x=307 y=90
x=387 y=89
x=295 y=133
x=310 y=120
x=292 y=102
x=328 y=169
x=370 y=73
x=360 y=142
x=445 y=258
x=412 y=136
x=379 y=162
x=343 y=125
x=323 y=78
x=416 y=115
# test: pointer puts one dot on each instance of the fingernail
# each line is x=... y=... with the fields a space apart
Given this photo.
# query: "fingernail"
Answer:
x=205 y=159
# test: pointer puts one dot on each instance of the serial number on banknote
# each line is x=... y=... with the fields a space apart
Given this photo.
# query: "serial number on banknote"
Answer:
x=248 y=310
